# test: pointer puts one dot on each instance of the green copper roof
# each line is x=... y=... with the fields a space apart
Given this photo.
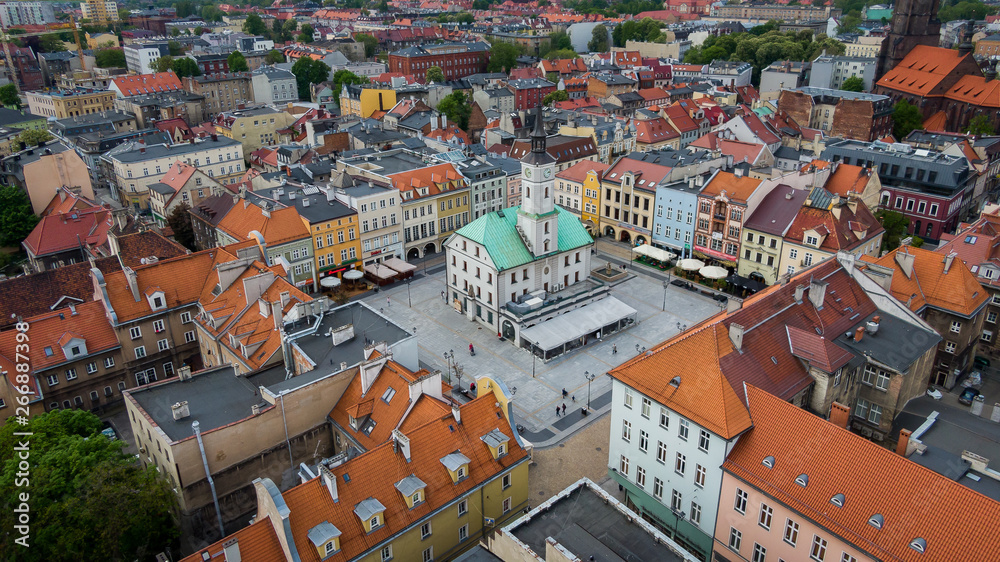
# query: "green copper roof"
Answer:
x=504 y=245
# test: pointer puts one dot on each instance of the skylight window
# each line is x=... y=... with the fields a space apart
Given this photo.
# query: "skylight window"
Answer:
x=802 y=480
x=838 y=500
x=876 y=521
x=768 y=461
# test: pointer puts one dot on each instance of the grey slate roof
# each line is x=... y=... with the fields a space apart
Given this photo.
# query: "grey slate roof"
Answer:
x=132 y=153
x=495 y=438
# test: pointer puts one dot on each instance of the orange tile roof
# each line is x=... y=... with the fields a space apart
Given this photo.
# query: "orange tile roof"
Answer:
x=386 y=415
x=283 y=226
x=914 y=501
x=257 y=543
x=976 y=90
x=737 y=189
x=847 y=178
x=839 y=232
x=65 y=201
x=178 y=174
x=651 y=131
x=257 y=332
x=431 y=177
x=373 y=474
x=564 y=66
x=50 y=330
x=181 y=279
x=957 y=291
x=694 y=356
x=921 y=70
x=936 y=122
x=148 y=83
x=653 y=94
x=578 y=172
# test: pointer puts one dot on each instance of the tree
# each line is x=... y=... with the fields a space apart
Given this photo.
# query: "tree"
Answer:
x=237 y=62
x=895 y=225
x=598 y=40
x=435 y=74
x=854 y=84
x=51 y=43
x=180 y=222
x=456 y=107
x=965 y=10
x=110 y=58
x=184 y=8
x=9 y=97
x=86 y=496
x=561 y=54
x=905 y=118
x=186 y=67
x=175 y=48
x=370 y=42
x=307 y=34
x=211 y=13
x=16 y=217
x=163 y=64
x=33 y=137
x=560 y=40
x=174 y=32
x=307 y=72
x=289 y=27
x=503 y=57
x=980 y=125
x=342 y=77
x=558 y=95
x=254 y=25
x=274 y=56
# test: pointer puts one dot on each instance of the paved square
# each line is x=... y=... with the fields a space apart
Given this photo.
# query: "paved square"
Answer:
x=440 y=329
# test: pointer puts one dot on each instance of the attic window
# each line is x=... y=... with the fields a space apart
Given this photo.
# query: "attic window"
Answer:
x=387 y=396
x=802 y=480
x=774 y=360
x=918 y=544
x=768 y=461
x=48 y=352
x=838 y=500
x=876 y=521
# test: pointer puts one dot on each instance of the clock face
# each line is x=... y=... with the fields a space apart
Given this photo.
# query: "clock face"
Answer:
x=527 y=172
x=548 y=173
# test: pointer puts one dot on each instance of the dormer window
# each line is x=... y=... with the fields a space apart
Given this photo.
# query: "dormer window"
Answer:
x=838 y=500
x=325 y=538
x=876 y=521
x=497 y=442
x=918 y=544
x=157 y=299
x=457 y=465
x=370 y=511
x=812 y=241
x=413 y=490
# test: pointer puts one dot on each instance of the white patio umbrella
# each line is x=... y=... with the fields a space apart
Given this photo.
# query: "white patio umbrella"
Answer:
x=713 y=272
x=329 y=282
x=690 y=264
x=353 y=275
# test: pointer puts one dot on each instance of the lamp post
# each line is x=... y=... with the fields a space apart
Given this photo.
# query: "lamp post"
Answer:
x=408 y=303
x=665 y=285
x=533 y=346
x=449 y=355
x=590 y=378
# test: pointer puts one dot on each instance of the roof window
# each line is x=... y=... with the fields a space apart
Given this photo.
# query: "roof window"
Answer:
x=768 y=461
x=802 y=480
x=876 y=521
x=838 y=500
x=918 y=544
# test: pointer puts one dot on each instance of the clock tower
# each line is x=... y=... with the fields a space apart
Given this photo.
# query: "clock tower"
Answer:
x=537 y=219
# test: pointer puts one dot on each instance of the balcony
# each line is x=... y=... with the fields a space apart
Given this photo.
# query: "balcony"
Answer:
x=527 y=310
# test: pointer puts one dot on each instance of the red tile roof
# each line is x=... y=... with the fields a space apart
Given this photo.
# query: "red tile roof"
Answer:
x=957 y=290
x=578 y=172
x=50 y=330
x=431 y=178
x=921 y=70
x=737 y=189
x=256 y=543
x=843 y=232
x=282 y=226
x=564 y=66
x=651 y=131
x=181 y=279
x=65 y=231
x=155 y=83
x=914 y=501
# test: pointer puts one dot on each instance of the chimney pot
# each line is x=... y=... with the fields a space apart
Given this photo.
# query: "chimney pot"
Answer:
x=904 y=441
x=859 y=333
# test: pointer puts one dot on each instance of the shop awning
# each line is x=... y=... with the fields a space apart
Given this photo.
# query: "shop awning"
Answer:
x=399 y=265
x=380 y=272
x=575 y=324
x=654 y=253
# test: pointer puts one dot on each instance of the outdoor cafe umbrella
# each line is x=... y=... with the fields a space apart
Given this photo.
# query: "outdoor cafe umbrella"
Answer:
x=353 y=275
x=713 y=272
x=690 y=264
x=329 y=282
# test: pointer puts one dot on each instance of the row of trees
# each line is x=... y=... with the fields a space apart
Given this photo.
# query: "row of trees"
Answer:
x=646 y=29
x=281 y=31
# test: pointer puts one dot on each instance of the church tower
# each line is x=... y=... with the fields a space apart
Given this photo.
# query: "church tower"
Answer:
x=537 y=219
x=914 y=22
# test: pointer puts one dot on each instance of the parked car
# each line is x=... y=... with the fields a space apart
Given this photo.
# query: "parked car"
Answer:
x=967 y=396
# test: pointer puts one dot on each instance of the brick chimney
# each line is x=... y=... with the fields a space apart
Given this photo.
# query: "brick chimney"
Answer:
x=330 y=481
x=903 y=443
x=859 y=333
x=840 y=415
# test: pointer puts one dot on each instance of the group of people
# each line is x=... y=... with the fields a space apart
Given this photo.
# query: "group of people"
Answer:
x=561 y=410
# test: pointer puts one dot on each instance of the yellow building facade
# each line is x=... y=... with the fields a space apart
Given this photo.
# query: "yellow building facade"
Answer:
x=336 y=245
x=366 y=102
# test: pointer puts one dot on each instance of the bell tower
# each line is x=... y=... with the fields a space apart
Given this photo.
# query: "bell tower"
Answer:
x=537 y=219
x=914 y=22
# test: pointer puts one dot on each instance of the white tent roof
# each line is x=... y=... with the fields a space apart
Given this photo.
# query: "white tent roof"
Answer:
x=577 y=323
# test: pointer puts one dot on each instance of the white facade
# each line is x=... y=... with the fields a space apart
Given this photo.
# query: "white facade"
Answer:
x=379 y=216
x=669 y=458
x=13 y=14
x=139 y=59
x=272 y=85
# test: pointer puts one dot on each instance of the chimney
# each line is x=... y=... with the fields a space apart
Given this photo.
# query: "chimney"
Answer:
x=330 y=481
x=276 y=314
x=255 y=409
x=852 y=202
x=184 y=373
x=904 y=442
x=72 y=309
x=456 y=413
x=133 y=281
x=817 y=292
x=840 y=415
x=403 y=442
x=948 y=261
x=799 y=291
x=905 y=261
x=736 y=336
x=285 y=296
x=859 y=333
x=180 y=410
x=231 y=551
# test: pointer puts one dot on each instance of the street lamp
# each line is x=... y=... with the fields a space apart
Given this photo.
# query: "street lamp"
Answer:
x=408 y=303
x=449 y=355
x=533 y=346
x=665 y=285
x=590 y=378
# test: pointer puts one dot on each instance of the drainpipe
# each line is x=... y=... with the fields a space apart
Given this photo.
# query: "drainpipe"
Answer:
x=195 y=426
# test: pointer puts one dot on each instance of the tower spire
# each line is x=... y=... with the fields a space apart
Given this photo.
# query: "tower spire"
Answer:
x=538 y=133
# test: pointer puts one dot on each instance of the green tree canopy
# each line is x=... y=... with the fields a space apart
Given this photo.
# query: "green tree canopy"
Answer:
x=237 y=62
x=9 y=97
x=253 y=25
x=435 y=74
x=456 y=107
x=307 y=34
x=895 y=225
x=342 y=77
x=854 y=84
x=16 y=218
x=905 y=118
x=560 y=40
x=965 y=10
x=503 y=57
x=646 y=29
x=179 y=221
x=86 y=496
x=184 y=66
x=558 y=95
x=184 y=8
x=598 y=40
x=163 y=64
x=561 y=54
x=307 y=72
x=33 y=137
x=175 y=48
x=762 y=46
x=274 y=56
x=50 y=43
x=370 y=43
x=210 y=12
x=980 y=125
x=110 y=58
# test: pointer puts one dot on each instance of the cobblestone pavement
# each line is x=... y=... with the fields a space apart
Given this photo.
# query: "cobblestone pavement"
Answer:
x=418 y=306
x=583 y=454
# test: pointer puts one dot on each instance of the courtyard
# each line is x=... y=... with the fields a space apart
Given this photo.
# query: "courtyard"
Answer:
x=537 y=384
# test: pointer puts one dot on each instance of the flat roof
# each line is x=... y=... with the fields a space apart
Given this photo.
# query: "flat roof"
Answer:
x=577 y=323
x=215 y=397
x=593 y=525
x=897 y=343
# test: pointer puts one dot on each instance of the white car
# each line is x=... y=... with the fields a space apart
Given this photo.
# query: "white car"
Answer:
x=934 y=393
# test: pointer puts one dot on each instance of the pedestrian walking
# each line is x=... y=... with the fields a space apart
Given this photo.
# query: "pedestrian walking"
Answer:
x=565 y=393
x=388 y=302
x=574 y=398
x=614 y=349
x=564 y=408
x=557 y=411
